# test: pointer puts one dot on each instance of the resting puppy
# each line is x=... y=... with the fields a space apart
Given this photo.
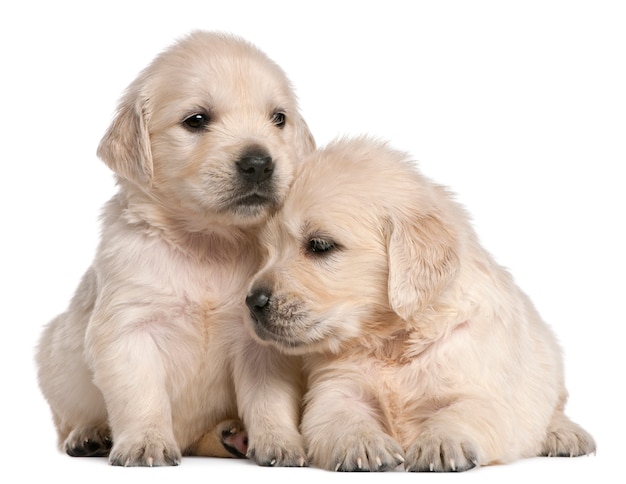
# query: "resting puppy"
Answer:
x=153 y=347
x=419 y=347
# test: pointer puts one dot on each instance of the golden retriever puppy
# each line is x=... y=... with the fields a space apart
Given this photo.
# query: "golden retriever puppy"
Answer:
x=419 y=349
x=152 y=352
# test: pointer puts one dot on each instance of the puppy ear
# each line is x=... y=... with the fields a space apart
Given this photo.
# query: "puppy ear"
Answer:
x=422 y=260
x=305 y=143
x=125 y=147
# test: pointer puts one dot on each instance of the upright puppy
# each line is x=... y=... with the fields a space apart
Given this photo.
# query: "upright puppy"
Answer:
x=152 y=349
x=419 y=347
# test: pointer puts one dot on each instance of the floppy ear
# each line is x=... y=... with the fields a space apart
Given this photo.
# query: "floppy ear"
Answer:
x=422 y=259
x=305 y=143
x=125 y=147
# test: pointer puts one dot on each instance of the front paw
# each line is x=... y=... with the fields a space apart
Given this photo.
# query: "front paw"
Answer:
x=277 y=451
x=441 y=453
x=149 y=451
x=365 y=451
x=569 y=440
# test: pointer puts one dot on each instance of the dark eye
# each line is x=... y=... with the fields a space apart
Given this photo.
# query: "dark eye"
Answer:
x=196 y=122
x=320 y=246
x=279 y=119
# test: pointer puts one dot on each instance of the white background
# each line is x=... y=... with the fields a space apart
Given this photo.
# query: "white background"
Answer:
x=519 y=107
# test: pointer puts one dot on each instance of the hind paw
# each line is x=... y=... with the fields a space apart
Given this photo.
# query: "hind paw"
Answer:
x=89 y=442
x=233 y=437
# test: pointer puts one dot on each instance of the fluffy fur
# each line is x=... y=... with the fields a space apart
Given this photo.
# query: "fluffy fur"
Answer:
x=152 y=354
x=419 y=348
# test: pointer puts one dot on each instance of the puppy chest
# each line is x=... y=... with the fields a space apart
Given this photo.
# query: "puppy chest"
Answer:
x=219 y=319
x=215 y=307
x=399 y=391
x=189 y=335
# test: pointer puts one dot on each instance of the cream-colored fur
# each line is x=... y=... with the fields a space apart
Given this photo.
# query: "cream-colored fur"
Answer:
x=152 y=354
x=419 y=348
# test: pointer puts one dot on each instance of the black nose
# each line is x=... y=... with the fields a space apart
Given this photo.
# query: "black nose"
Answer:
x=257 y=301
x=255 y=166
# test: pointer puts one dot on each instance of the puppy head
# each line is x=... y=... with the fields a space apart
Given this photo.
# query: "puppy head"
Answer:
x=211 y=130
x=359 y=249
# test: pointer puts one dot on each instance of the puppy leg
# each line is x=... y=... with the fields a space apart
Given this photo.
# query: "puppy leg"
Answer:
x=66 y=382
x=343 y=430
x=268 y=387
x=566 y=438
x=77 y=405
x=227 y=439
x=132 y=374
